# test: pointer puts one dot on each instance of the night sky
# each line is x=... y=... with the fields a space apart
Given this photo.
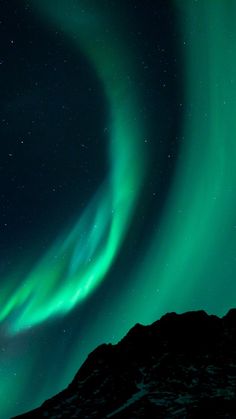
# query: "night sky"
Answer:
x=117 y=177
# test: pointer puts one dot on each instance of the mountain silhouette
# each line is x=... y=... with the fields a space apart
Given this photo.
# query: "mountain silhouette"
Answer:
x=181 y=366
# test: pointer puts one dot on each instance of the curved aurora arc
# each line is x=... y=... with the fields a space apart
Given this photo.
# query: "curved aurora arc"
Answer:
x=77 y=262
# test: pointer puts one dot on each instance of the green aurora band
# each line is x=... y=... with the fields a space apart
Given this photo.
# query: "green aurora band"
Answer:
x=190 y=262
x=80 y=259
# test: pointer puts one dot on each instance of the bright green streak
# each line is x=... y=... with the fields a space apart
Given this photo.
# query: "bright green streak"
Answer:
x=79 y=260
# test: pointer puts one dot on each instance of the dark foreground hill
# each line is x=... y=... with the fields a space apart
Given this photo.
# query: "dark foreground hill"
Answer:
x=182 y=366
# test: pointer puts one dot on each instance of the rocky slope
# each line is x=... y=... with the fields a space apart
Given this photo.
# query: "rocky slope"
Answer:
x=182 y=366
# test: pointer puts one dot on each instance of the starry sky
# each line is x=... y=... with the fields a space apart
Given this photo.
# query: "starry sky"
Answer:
x=117 y=177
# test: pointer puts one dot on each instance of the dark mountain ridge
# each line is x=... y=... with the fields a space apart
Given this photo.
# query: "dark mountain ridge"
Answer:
x=181 y=366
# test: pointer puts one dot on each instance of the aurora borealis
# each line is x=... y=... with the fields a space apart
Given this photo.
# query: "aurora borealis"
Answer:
x=117 y=177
